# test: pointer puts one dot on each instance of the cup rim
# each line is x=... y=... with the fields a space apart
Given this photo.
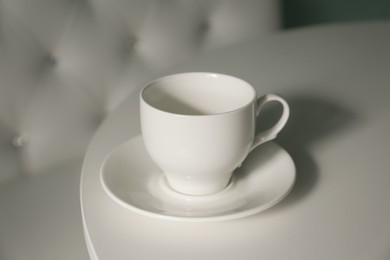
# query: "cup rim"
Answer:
x=243 y=107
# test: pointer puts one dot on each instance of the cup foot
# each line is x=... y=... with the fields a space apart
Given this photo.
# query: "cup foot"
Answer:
x=189 y=189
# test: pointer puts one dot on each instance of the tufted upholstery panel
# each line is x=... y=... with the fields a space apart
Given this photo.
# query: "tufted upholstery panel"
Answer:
x=65 y=64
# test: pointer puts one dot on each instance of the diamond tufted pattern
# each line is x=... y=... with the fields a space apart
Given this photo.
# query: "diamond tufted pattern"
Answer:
x=65 y=64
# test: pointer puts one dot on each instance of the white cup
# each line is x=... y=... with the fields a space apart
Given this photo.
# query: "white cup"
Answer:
x=199 y=127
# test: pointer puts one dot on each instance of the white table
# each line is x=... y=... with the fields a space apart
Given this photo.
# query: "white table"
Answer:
x=337 y=81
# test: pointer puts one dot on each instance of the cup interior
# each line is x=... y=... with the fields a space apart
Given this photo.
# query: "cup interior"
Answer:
x=199 y=94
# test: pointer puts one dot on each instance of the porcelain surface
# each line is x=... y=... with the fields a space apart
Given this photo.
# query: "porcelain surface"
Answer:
x=198 y=127
x=132 y=179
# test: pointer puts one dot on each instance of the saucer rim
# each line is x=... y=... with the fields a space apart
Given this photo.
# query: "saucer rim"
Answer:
x=197 y=219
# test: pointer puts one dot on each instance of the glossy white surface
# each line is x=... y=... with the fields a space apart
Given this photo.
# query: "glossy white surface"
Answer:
x=198 y=94
x=199 y=127
x=272 y=131
x=336 y=80
x=132 y=179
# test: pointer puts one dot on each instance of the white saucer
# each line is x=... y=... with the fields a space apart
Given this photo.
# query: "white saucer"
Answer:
x=132 y=179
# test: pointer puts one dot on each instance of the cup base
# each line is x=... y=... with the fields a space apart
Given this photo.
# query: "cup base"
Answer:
x=187 y=188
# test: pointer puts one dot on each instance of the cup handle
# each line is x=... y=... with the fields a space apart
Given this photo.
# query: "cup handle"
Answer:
x=271 y=133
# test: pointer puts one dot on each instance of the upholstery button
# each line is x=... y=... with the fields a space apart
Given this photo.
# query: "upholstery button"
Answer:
x=20 y=140
x=204 y=27
x=98 y=119
x=49 y=61
x=132 y=44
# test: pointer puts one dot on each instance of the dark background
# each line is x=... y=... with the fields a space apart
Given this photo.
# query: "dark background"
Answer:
x=298 y=13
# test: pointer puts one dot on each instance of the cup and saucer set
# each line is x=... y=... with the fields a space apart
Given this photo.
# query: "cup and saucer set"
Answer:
x=199 y=158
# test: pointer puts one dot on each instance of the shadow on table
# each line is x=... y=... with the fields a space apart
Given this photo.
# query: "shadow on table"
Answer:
x=312 y=119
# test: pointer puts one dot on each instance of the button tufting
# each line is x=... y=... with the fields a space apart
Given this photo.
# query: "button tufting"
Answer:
x=204 y=27
x=20 y=140
x=49 y=61
x=132 y=44
x=98 y=119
